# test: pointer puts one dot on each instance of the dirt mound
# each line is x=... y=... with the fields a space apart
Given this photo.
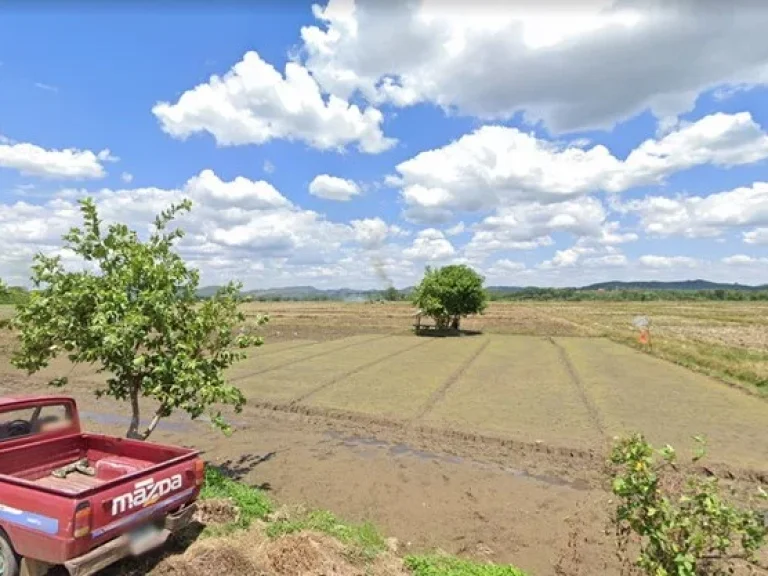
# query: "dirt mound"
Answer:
x=253 y=553
x=213 y=557
x=216 y=511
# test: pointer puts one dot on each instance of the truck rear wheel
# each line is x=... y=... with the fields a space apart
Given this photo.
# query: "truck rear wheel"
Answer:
x=9 y=562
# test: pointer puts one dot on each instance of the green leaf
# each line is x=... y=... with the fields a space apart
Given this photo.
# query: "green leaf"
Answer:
x=135 y=315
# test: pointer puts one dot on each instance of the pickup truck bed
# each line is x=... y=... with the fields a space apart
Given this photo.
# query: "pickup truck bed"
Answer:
x=112 y=458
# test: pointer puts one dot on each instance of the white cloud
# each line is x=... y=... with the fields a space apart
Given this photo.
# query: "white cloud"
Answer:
x=756 y=236
x=69 y=163
x=529 y=225
x=126 y=177
x=583 y=255
x=497 y=166
x=675 y=262
x=508 y=265
x=542 y=59
x=238 y=229
x=333 y=188
x=253 y=103
x=268 y=167
x=703 y=216
x=456 y=230
x=743 y=260
x=371 y=233
x=429 y=244
x=239 y=194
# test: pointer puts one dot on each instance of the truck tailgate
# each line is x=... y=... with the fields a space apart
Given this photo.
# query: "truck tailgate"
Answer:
x=150 y=493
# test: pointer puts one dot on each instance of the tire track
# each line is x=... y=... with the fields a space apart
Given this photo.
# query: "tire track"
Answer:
x=592 y=410
x=310 y=357
x=440 y=393
x=339 y=378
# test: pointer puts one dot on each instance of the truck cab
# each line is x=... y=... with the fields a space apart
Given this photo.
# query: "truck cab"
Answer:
x=83 y=500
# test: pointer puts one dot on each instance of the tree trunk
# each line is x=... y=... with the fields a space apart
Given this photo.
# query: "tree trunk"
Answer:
x=455 y=322
x=133 y=429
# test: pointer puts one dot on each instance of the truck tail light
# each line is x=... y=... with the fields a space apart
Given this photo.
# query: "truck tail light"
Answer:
x=199 y=472
x=82 y=524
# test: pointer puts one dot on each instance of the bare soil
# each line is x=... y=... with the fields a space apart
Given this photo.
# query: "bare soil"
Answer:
x=485 y=446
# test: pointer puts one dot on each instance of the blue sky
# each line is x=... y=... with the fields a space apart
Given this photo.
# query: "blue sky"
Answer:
x=347 y=145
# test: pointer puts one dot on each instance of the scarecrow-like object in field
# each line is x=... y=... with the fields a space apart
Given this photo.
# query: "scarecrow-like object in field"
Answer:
x=643 y=323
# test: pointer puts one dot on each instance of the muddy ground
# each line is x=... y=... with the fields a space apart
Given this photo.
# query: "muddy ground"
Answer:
x=541 y=507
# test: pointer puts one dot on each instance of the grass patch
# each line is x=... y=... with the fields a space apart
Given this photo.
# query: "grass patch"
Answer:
x=449 y=566
x=251 y=502
x=738 y=366
x=363 y=540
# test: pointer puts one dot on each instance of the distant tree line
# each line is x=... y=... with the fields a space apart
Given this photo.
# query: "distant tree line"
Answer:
x=12 y=294
x=580 y=295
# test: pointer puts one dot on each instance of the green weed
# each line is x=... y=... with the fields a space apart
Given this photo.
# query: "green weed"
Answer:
x=363 y=540
x=449 y=566
x=251 y=502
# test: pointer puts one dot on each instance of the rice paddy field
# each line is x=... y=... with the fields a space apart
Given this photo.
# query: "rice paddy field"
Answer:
x=568 y=392
x=490 y=445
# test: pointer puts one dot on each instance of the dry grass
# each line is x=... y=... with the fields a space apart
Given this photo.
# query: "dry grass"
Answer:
x=728 y=340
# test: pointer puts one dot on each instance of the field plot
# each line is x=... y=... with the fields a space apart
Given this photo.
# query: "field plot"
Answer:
x=297 y=381
x=568 y=392
x=633 y=391
x=401 y=387
x=519 y=386
x=262 y=359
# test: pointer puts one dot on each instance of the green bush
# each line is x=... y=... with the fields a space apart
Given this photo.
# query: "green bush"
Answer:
x=690 y=531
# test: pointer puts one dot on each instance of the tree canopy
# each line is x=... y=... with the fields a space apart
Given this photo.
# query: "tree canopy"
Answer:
x=449 y=293
x=133 y=311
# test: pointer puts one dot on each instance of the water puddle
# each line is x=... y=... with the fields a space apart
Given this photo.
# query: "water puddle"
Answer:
x=401 y=449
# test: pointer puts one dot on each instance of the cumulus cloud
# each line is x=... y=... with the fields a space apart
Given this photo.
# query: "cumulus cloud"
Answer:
x=756 y=236
x=542 y=59
x=743 y=260
x=238 y=229
x=704 y=216
x=253 y=103
x=529 y=225
x=68 y=163
x=371 y=233
x=496 y=165
x=126 y=177
x=456 y=230
x=429 y=245
x=333 y=188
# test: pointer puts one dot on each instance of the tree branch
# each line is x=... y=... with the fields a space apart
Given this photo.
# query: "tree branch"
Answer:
x=153 y=424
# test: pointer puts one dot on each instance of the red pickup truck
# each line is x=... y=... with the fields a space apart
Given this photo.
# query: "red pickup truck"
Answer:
x=84 y=500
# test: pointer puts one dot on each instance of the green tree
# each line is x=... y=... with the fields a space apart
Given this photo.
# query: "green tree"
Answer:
x=391 y=294
x=135 y=313
x=688 y=530
x=449 y=293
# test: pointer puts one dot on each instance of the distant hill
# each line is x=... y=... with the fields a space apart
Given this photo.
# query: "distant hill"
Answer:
x=310 y=292
x=207 y=291
x=679 y=285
